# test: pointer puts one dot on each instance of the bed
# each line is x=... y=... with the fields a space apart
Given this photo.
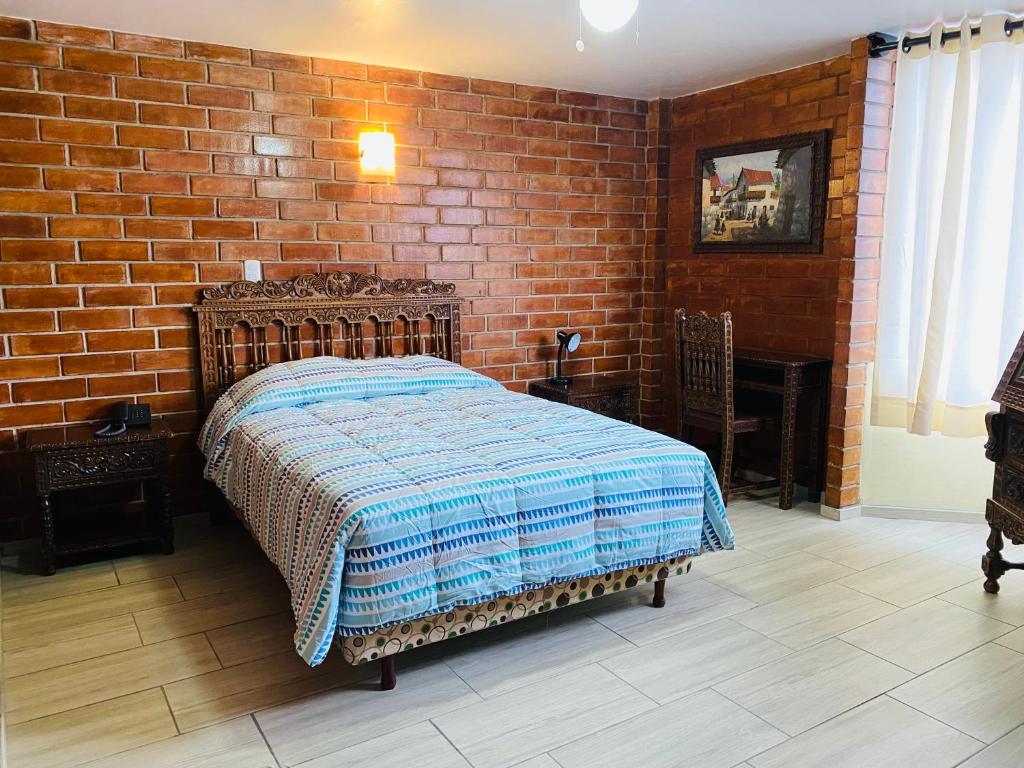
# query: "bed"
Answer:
x=407 y=500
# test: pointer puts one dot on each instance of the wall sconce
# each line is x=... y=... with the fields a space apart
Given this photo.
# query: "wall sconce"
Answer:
x=377 y=153
x=567 y=340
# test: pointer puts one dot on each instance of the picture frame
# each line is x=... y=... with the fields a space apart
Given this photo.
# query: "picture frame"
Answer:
x=763 y=196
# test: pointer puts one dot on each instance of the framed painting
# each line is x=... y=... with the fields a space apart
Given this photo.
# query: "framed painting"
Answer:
x=764 y=196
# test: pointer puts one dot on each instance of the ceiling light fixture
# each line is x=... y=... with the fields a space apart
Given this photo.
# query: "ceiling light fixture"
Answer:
x=608 y=15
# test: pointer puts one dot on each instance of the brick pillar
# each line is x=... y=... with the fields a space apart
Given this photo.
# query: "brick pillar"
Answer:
x=869 y=121
x=654 y=318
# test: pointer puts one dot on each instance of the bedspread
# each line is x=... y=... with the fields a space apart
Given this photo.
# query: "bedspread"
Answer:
x=389 y=489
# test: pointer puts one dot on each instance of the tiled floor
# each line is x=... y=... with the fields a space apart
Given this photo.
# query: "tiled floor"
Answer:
x=864 y=643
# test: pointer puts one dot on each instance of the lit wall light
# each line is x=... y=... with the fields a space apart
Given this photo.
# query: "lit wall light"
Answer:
x=377 y=153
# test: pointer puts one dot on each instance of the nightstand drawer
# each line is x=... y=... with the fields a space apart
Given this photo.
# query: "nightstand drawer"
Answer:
x=99 y=465
x=615 y=405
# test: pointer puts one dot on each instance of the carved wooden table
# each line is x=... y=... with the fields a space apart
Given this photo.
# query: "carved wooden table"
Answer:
x=611 y=394
x=73 y=458
x=794 y=378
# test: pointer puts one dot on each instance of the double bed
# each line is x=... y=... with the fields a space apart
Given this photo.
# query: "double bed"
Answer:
x=407 y=500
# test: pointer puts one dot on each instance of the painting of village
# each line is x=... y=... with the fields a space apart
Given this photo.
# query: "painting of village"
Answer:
x=769 y=198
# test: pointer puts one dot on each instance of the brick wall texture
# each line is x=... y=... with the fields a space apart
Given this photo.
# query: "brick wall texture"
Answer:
x=135 y=170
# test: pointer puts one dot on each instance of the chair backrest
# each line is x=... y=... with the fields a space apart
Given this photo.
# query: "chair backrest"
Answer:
x=704 y=364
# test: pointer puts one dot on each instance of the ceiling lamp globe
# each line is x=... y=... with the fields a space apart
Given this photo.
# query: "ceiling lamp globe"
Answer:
x=608 y=15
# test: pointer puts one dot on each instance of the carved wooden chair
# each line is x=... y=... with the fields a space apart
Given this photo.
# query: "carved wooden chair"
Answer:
x=704 y=359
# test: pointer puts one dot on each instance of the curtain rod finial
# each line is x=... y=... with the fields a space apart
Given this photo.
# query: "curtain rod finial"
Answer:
x=880 y=43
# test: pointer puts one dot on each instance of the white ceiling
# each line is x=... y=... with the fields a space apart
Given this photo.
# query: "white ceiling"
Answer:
x=684 y=45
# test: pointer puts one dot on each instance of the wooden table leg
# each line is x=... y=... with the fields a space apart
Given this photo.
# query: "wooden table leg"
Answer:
x=158 y=500
x=817 y=449
x=46 y=510
x=787 y=452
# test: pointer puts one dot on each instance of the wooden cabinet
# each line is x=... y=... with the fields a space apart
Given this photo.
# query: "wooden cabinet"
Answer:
x=1005 y=510
x=612 y=394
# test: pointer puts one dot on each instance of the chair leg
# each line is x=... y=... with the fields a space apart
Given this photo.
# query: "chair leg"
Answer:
x=725 y=467
x=388 y=673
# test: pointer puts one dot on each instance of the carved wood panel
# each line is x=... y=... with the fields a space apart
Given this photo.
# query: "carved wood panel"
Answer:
x=245 y=326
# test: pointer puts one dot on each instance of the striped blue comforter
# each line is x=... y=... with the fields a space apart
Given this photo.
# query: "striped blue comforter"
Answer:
x=385 y=490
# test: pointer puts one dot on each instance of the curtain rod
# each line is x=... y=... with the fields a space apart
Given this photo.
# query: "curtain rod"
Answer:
x=880 y=43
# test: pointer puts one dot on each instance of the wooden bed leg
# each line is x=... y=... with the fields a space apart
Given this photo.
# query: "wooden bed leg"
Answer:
x=388 y=673
x=659 y=594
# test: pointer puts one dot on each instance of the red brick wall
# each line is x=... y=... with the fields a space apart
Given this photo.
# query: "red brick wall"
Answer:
x=820 y=304
x=134 y=170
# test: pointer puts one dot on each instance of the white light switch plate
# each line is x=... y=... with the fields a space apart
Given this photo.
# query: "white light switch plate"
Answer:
x=253 y=270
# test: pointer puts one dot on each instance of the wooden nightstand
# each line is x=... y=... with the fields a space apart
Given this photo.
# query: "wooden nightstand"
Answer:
x=611 y=394
x=73 y=458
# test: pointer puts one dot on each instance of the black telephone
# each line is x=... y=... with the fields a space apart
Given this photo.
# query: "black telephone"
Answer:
x=124 y=415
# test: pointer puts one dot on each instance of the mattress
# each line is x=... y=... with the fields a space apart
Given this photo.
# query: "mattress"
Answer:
x=391 y=489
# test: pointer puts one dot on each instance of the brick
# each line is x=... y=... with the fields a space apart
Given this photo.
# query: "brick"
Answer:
x=28 y=153
x=126 y=41
x=117 y=341
x=35 y=202
x=31 y=415
x=210 y=96
x=219 y=53
x=271 y=60
x=24 y=103
x=163 y=114
x=74 y=132
x=103 y=157
x=25 y=274
x=141 y=89
x=117 y=297
x=123 y=205
x=46 y=344
x=99 y=109
x=186 y=162
x=56 y=389
x=26 y=322
x=19 y=28
x=94 y=319
x=108 y=62
x=169 y=69
x=151 y=138
x=163 y=273
x=82 y=83
x=66 y=33
x=243 y=77
x=127 y=384
x=91 y=273
x=20 y=177
x=17 y=77
x=37 y=54
x=114 y=250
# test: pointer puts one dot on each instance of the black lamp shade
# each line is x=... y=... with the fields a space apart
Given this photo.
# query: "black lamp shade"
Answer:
x=567 y=340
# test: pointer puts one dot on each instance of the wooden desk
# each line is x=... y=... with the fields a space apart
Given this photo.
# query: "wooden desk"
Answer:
x=794 y=378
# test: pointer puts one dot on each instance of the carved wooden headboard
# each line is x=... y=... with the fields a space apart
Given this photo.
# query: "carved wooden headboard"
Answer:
x=246 y=326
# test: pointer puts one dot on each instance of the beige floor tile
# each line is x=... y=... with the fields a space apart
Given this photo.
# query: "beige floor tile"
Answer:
x=689 y=603
x=695 y=659
x=867 y=552
x=535 y=654
x=335 y=720
x=70 y=738
x=977 y=693
x=253 y=639
x=926 y=635
x=211 y=612
x=234 y=744
x=718 y=562
x=227 y=693
x=780 y=577
x=541 y=761
x=227 y=577
x=1013 y=640
x=807 y=688
x=21 y=588
x=420 y=744
x=529 y=721
x=967 y=548
x=706 y=728
x=1007 y=606
x=216 y=546
x=910 y=579
x=1008 y=752
x=36 y=619
x=807 y=618
x=879 y=734
x=66 y=645
x=86 y=682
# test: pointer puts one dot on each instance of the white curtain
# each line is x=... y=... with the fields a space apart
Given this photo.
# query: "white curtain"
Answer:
x=952 y=271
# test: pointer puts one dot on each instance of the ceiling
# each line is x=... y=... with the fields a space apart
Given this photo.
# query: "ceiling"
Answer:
x=684 y=46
